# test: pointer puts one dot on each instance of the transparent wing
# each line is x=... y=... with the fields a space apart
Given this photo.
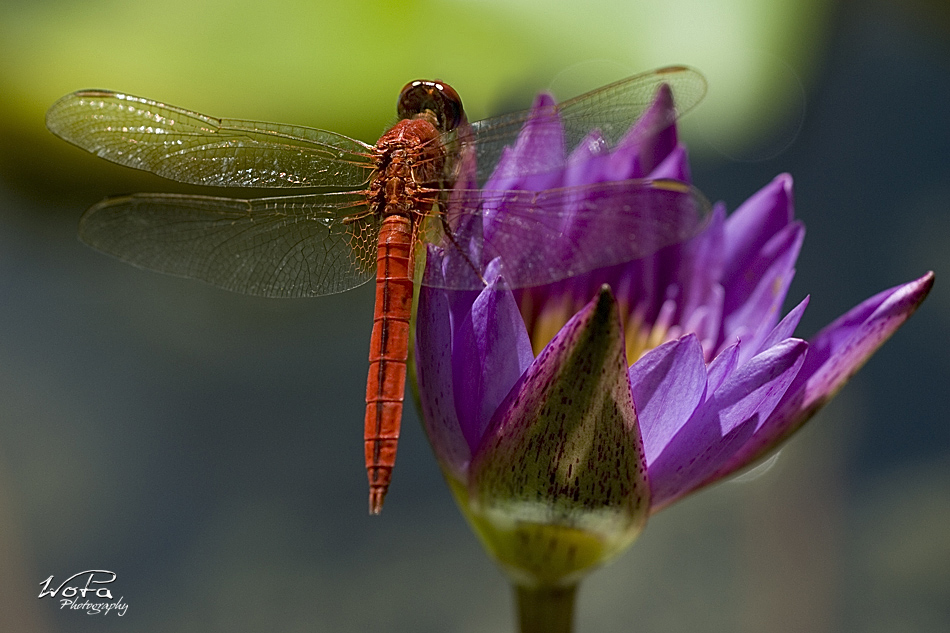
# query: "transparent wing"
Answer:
x=293 y=246
x=539 y=237
x=199 y=149
x=611 y=110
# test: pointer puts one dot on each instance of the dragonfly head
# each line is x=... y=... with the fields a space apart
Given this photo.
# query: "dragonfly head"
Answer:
x=422 y=99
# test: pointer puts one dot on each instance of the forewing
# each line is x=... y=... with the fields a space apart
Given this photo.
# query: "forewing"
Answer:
x=611 y=110
x=542 y=237
x=293 y=246
x=199 y=149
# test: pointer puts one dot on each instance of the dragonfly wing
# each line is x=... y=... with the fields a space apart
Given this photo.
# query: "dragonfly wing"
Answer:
x=293 y=246
x=611 y=111
x=199 y=149
x=540 y=237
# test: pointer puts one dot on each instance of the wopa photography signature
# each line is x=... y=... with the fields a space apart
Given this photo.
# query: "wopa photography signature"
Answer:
x=77 y=595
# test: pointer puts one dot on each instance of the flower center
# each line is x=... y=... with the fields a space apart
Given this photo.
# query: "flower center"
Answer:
x=545 y=316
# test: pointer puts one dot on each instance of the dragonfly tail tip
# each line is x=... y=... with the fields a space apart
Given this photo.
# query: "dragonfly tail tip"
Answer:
x=376 y=496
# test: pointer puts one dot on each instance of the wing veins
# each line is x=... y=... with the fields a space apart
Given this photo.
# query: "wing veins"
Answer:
x=191 y=147
x=240 y=244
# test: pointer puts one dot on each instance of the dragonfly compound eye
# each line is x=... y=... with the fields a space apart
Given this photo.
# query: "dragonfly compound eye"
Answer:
x=434 y=96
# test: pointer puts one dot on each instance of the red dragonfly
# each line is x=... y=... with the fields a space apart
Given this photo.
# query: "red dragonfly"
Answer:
x=432 y=165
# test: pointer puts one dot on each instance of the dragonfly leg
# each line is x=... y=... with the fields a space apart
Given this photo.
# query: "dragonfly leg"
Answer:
x=367 y=211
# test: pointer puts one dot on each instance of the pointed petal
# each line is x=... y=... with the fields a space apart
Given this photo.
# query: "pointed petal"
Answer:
x=668 y=384
x=758 y=385
x=748 y=229
x=787 y=326
x=675 y=166
x=586 y=161
x=539 y=150
x=772 y=272
x=698 y=273
x=836 y=353
x=722 y=367
x=564 y=447
x=433 y=361
x=648 y=142
x=725 y=422
x=491 y=351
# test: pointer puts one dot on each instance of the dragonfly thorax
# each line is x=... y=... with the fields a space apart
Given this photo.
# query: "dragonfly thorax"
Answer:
x=409 y=164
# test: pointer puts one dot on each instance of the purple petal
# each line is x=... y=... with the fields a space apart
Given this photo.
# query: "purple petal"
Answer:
x=704 y=321
x=752 y=320
x=538 y=150
x=757 y=386
x=668 y=384
x=534 y=163
x=560 y=233
x=786 y=328
x=586 y=161
x=747 y=231
x=565 y=441
x=675 y=166
x=725 y=422
x=464 y=248
x=836 y=353
x=434 y=378
x=722 y=367
x=648 y=142
x=698 y=272
x=491 y=350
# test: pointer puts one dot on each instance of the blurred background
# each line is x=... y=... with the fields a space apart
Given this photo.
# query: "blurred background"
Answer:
x=207 y=447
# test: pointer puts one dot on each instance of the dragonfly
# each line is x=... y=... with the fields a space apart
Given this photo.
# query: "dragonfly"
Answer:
x=367 y=211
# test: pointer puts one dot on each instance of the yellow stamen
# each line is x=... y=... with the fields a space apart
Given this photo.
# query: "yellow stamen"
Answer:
x=550 y=319
x=545 y=321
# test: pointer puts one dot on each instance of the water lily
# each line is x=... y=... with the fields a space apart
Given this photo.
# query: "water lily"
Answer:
x=564 y=415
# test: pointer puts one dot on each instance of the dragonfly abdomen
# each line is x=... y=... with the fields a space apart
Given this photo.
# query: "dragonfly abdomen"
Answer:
x=389 y=350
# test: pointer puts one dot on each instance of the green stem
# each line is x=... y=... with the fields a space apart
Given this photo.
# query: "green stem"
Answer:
x=545 y=609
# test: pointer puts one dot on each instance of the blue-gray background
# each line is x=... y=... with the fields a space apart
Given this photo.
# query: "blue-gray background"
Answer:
x=207 y=446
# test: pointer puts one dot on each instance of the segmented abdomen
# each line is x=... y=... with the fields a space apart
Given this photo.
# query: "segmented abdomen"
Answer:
x=388 y=352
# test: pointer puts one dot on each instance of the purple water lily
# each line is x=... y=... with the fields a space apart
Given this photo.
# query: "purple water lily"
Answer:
x=564 y=415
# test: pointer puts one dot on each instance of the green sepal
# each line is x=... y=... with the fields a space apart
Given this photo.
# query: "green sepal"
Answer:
x=559 y=484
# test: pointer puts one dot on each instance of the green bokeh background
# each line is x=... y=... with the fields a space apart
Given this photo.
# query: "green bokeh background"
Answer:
x=339 y=66
x=207 y=447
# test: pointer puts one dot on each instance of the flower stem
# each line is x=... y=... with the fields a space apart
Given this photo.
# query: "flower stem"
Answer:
x=545 y=609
